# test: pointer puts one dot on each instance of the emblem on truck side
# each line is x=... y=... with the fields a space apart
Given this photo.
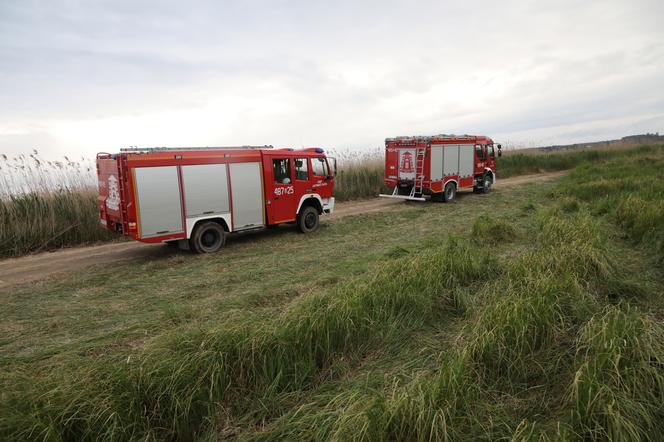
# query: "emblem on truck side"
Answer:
x=113 y=199
x=406 y=163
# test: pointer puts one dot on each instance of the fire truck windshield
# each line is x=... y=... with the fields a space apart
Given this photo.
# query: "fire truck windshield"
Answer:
x=319 y=167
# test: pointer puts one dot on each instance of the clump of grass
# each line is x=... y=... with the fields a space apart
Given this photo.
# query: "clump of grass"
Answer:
x=178 y=314
x=397 y=252
x=644 y=220
x=491 y=230
x=618 y=388
x=450 y=406
x=568 y=205
x=528 y=319
x=528 y=208
x=576 y=246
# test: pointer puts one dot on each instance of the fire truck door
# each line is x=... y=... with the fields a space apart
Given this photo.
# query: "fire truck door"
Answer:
x=283 y=201
x=490 y=157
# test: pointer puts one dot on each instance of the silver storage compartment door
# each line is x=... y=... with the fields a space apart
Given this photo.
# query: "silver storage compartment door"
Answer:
x=247 y=193
x=466 y=163
x=451 y=160
x=205 y=189
x=158 y=197
x=436 y=162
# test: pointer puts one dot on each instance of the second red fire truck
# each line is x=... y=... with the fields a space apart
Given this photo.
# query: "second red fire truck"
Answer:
x=196 y=196
x=439 y=165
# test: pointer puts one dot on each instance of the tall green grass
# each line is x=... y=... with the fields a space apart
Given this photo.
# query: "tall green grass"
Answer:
x=618 y=387
x=629 y=189
x=527 y=162
x=179 y=382
x=546 y=325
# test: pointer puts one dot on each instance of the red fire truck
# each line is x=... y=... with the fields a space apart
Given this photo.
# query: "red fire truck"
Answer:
x=439 y=165
x=196 y=196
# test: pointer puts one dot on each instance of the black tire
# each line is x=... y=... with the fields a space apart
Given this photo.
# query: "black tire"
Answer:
x=449 y=193
x=308 y=220
x=487 y=182
x=208 y=237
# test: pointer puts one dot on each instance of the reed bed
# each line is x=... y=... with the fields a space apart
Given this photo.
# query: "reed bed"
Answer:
x=46 y=205
x=360 y=175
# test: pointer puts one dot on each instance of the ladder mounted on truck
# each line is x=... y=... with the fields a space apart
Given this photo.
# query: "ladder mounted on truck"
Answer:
x=165 y=149
x=419 y=174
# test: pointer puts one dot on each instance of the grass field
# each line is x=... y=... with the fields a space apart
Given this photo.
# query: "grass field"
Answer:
x=57 y=207
x=532 y=313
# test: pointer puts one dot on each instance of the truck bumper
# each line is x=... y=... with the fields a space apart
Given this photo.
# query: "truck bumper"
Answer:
x=403 y=197
x=328 y=205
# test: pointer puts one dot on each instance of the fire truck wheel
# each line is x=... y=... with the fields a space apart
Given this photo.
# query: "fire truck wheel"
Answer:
x=208 y=237
x=450 y=192
x=488 y=181
x=307 y=220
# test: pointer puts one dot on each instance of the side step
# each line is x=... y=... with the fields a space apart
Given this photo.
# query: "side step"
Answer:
x=403 y=197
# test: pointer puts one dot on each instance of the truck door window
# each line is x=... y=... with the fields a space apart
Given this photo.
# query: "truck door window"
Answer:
x=301 y=169
x=489 y=151
x=319 y=167
x=282 y=174
x=479 y=152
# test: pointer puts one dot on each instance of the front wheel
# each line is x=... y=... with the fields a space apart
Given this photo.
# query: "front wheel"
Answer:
x=208 y=237
x=488 y=182
x=449 y=193
x=307 y=220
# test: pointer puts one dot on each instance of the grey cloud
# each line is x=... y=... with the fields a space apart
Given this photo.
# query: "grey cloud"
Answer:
x=327 y=72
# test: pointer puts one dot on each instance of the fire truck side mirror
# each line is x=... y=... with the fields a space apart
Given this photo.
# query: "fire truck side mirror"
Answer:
x=500 y=152
x=334 y=160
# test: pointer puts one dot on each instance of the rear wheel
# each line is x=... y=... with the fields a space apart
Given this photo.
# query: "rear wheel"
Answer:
x=449 y=193
x=307 y=220
x=208 y=237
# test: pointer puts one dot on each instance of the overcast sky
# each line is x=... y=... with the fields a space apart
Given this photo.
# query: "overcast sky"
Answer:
x=78 y=77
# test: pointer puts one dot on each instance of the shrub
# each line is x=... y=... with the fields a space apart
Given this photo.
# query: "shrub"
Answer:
x=490 y=230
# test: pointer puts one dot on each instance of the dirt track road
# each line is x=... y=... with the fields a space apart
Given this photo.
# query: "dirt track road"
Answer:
x=34 y=267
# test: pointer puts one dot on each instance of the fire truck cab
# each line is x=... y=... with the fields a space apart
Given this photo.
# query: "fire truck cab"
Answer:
x=439 y=165
x=196 y=196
